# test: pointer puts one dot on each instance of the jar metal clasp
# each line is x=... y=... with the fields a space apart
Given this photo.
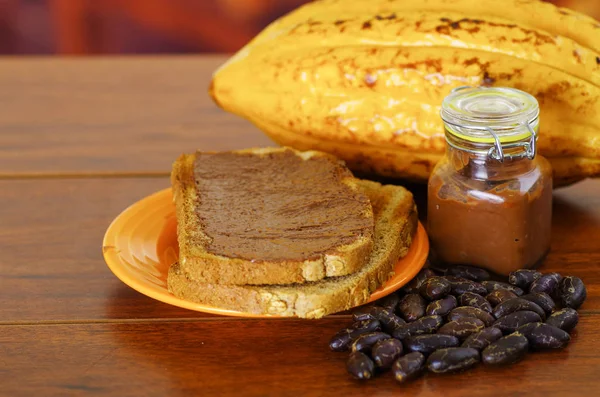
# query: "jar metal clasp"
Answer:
x=497 y=151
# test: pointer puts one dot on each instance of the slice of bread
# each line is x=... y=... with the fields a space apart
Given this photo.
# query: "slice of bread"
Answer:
x=269 y=216
x=395 y=226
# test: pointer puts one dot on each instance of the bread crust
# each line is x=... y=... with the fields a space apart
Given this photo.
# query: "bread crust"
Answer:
x=199 y=265
x=395 y=227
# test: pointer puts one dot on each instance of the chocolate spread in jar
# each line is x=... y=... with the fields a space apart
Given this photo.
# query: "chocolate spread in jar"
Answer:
x=277 y=206
x=500 y=226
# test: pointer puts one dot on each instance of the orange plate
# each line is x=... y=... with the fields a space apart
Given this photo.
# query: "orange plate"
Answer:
x=141 y=244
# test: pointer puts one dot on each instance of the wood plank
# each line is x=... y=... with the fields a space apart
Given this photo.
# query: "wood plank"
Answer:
x=575 y=248
x=51 y=242
x=111 y=115
x=254 y=358
x=53 y=269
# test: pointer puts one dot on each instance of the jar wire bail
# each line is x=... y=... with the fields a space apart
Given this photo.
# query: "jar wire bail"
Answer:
x=497 y=153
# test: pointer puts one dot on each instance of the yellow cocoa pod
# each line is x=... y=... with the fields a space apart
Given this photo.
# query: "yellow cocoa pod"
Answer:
x=364 y=79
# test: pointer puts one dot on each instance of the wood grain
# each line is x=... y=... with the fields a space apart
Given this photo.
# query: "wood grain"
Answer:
x=82 y=139
x=51 y=243
x=254 y=358
x=575 y=247
x=53 y=269
x=119 y=115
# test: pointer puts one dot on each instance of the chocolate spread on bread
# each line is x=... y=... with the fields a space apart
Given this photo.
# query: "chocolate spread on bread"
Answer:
x=277 y=206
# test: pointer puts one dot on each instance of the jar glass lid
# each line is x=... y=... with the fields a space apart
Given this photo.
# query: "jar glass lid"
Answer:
x=470 y=112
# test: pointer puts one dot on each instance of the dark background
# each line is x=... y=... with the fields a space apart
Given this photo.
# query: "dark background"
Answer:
x=88 y=27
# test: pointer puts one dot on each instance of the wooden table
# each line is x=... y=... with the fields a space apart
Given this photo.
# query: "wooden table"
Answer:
x=80 y=140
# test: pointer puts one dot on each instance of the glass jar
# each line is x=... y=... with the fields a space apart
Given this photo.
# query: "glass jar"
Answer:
x=490 y=196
